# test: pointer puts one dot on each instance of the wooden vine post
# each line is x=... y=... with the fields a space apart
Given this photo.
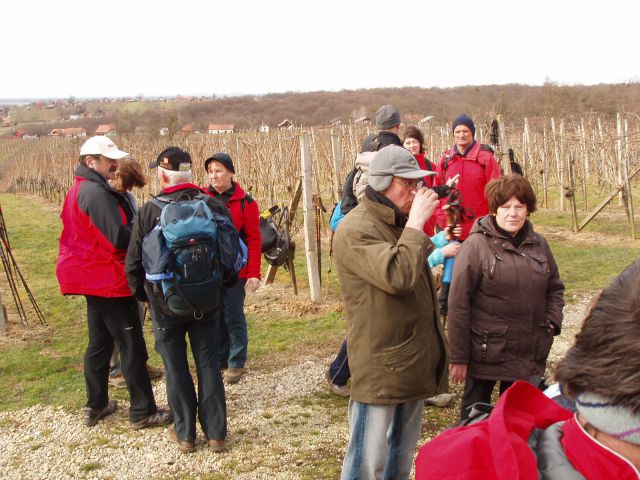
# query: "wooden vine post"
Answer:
x=336 y=157
x=504 y=148
x=308 y=211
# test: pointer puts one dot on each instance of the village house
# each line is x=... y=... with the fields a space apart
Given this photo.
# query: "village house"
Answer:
x=188 y=129
x=106 y=130
x=363 y=120
x=263 y=128
x=286 y=124
x=220 y=128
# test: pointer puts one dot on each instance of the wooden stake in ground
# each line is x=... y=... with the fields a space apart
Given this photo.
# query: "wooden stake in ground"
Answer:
x=504 y=148
x=308 y=210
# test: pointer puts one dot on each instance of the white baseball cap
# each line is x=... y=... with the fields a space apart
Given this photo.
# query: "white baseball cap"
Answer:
x=101 y=145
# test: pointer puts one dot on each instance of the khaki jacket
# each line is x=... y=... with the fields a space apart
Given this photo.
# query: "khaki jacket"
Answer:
x=503 y=303
x=395 y=340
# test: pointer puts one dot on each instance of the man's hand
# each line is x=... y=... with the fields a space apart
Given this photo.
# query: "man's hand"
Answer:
x=451 y=249
x=453 y=181
x=458 y=372
x=252 y=285
x=452 y=233
x=424 y=204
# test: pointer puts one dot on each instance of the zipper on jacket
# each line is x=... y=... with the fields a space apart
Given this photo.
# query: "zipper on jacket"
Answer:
x=492 y=268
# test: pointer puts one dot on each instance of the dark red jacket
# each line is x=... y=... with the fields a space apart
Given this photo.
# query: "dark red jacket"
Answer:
x=246 y=218
x=96 y=228
x=476 y=168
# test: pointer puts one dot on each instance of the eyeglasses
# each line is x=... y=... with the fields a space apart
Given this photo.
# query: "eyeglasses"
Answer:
x=411 y=184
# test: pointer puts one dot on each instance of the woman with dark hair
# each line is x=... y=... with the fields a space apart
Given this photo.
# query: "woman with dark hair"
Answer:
x=128 y=176
x=530 y=437
x=506 y=297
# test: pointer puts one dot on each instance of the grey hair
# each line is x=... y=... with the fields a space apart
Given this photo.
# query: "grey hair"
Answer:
x=177 y=177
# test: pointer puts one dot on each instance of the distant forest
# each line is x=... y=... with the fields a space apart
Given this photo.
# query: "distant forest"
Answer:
x=321 y=108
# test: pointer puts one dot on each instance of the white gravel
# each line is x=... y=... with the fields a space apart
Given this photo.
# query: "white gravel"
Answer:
x=279 y=425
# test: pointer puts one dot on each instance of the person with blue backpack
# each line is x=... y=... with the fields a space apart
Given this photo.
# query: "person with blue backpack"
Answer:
x=184 y=252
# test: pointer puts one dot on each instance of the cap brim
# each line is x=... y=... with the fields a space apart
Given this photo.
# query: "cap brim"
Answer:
x=153 y=164
x=414 y=174
x=115 y=154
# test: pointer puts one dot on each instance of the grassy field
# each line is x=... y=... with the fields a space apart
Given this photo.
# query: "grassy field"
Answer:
x=44 y=365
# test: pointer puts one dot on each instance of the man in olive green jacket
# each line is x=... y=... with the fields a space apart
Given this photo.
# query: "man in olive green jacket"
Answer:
x=396 y=345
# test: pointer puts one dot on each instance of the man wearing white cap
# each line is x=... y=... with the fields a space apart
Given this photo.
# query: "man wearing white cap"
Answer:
x=96 y=228
x=396 y=345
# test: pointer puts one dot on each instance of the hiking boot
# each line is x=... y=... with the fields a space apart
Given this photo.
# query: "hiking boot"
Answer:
x=161 y=417
x=215 y=445
x=185 y=446
x=154 y=372
x=93 y=416
x=441 y=400
x=339 y=390
x=117 y=381
x=233 y=375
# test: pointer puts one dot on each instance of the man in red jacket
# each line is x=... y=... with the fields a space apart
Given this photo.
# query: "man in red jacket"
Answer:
x=475 y=165
x=96 y=228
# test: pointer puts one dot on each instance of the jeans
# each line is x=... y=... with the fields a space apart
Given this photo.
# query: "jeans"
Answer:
x=233 y=338
x=382 y=440
x=116 y=320
x=209 y=404
x=476 y=390
x=339 y=368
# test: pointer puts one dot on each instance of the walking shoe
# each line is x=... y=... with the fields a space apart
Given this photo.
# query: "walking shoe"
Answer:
x=441 y=400
x=185 y=446
x=93 y=416
x=339 y=390
x=233 y=375
x=117 y=381
x=161 y=417
x=215 y=445
x=154 y=372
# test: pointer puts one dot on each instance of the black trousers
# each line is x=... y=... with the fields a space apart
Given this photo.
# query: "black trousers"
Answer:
x=117 y=320
x=209 y=403
x=476 y=390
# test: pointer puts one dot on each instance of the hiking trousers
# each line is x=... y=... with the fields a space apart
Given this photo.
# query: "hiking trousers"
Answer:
x=233 y=338
x=116 y=320
x=382 y=440
x=209 y=405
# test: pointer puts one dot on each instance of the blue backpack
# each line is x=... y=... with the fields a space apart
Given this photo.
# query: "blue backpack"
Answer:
x=189 y=254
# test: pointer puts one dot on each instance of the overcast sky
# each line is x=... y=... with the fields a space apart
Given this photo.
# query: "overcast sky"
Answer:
x=125 y=48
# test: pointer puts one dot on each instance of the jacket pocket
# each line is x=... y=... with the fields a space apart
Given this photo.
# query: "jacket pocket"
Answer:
x=544 y=340
x=402 y=356
x=489 y=345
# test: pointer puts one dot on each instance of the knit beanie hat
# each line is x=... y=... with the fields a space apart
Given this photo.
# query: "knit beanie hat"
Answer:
x=466 y=121
x=615 y=420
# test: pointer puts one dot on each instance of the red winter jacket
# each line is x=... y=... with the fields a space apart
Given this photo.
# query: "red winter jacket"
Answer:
x=426 y=164
x=95 y=234
x=526 y=437
x=246 y=218
x=476 y=168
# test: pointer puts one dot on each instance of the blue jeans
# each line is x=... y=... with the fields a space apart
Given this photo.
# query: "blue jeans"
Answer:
x=339 y=368
x=233 y=338
x=382 y=440
x=210 y=402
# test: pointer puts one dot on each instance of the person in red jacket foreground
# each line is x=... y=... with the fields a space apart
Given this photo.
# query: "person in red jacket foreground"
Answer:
x=530 y=437
x=96 y=229
x=233 y=338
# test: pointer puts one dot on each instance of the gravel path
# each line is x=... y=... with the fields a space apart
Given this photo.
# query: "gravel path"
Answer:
x=283 y=425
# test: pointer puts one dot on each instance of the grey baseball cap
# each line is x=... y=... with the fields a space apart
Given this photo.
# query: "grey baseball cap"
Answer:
x=394 y=161
x=387 y=117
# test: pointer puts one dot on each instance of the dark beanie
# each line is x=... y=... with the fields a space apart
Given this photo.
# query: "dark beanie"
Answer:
x=466 y=121
x=223 y=158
